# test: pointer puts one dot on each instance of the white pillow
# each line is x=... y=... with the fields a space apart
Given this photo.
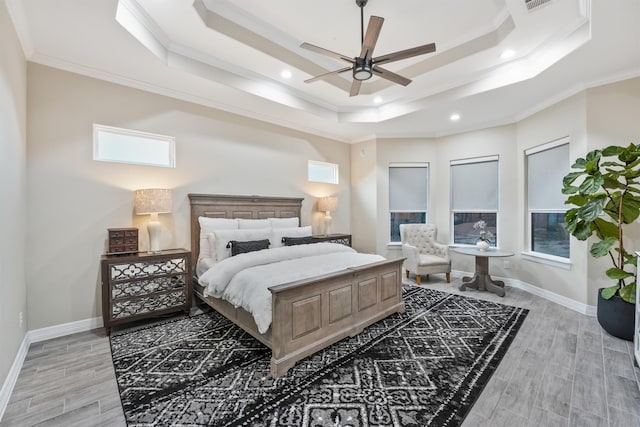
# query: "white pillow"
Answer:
x=278 y=233
x=285 y=222
x=223 y=237
x=209 y=225
x=253 y=223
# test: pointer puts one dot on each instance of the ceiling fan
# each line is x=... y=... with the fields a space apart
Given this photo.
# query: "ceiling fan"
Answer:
x=364 y=66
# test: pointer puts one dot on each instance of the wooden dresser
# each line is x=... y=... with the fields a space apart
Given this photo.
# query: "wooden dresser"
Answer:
x=144 y=285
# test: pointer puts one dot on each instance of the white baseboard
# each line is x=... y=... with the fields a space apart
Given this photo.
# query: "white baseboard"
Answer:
x=38 y=335
x=56 y=331
x=589 y=310
x=12 y=376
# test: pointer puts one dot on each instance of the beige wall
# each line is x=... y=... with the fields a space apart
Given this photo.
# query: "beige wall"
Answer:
x=364 y=196
x=74 y=199
x=13 y=139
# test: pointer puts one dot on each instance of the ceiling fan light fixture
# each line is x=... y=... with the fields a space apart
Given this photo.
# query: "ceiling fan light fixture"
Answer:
x=362 y=69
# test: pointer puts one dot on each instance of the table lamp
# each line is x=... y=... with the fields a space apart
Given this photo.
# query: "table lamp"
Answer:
x=328 y=205
x=153 y=201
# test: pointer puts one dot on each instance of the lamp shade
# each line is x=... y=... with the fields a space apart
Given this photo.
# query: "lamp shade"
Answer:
x=327 y=204
x=152 y=200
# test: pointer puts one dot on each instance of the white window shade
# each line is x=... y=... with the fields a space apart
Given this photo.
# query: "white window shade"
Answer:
x=474 y=186
x=545 y=170
x=408 y=188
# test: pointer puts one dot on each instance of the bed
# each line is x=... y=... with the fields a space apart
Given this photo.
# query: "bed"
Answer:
x=310 y=314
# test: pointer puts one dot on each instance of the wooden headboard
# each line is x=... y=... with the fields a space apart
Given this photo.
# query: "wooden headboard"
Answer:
x=248 y=207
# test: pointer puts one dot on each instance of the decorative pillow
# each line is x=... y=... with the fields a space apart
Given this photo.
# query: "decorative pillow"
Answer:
x=223 y=237
x=253 y=223
x=278 y=233
x=285 y=222
x=238 y=247
x=208 y=226
x=292 y=241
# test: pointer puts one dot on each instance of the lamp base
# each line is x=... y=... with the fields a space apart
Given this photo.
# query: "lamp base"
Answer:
x=154 y=228
x=327 y=224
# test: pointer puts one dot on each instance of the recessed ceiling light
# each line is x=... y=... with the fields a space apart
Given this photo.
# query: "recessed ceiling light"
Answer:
x=454 y=117
x=285 y=74
x=377 y=100
x=507 y=54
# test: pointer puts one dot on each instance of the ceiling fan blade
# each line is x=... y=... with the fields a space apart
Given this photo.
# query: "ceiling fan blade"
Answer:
x=371 y=37
x=325 y=75
x=327 y=52
x=355 y=87
x=407 y=53
x=386 y=74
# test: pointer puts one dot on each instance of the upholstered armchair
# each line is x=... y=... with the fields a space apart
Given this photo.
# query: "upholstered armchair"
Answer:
x=423 y=254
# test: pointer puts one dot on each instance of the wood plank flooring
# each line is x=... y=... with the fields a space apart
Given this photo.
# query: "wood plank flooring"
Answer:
x=552 y=375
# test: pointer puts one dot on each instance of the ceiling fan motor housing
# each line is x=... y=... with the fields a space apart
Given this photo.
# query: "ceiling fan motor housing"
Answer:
x=362 y=69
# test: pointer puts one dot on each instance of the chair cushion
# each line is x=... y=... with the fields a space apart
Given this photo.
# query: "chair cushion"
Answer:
x=427 y=259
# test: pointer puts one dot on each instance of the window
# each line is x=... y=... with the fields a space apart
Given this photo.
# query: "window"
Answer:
x=322 y=172
x=408 y=195
x=546 y=166
x=474 y=197
x=129 y=146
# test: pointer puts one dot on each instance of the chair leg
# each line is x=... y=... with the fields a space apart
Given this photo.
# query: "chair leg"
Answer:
x=407 y=274
x=418 y=279
x=448 y=277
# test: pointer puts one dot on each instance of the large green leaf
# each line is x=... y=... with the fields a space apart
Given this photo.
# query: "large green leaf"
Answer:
x=618 y=274
x=611 y=150
x=630 y=208
x=581 y=230
x=610 y=292
x=590 y=210
x=606 y=228
x=591 y=184
x=569 y=189
x=602 y=248
x=576 y=199
x=592 y=160
x=628 y=293
x=570 y=177
x=579 y=163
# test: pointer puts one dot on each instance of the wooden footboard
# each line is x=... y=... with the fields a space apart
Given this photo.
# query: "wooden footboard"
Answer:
x=311 y=315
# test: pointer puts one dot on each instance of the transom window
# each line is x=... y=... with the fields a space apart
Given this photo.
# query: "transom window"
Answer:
x=118 y=145
x=322 y=172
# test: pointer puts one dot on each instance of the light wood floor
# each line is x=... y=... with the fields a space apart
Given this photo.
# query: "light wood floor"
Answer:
x=552 y=375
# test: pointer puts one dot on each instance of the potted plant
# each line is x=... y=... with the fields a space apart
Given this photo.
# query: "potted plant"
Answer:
x=605 y=191
x=484 y=240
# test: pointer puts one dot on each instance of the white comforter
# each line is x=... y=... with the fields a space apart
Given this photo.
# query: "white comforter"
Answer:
x=244 y=279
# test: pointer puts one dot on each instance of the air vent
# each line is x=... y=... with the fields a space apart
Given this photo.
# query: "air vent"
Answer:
x=535 y=4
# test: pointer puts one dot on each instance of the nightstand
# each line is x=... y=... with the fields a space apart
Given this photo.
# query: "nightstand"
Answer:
x=345 y=239
x=144 y=285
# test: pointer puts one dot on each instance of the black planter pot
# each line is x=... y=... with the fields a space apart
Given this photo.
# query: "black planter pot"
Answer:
x=616 y=316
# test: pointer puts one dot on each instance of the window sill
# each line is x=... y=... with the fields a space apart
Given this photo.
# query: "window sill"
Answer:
x=551 y=260
x=394 y=245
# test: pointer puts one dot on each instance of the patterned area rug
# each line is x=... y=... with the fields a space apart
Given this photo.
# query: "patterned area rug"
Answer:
x=426 y=366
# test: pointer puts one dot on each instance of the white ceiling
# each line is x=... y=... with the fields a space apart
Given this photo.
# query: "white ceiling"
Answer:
x=229 y=55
